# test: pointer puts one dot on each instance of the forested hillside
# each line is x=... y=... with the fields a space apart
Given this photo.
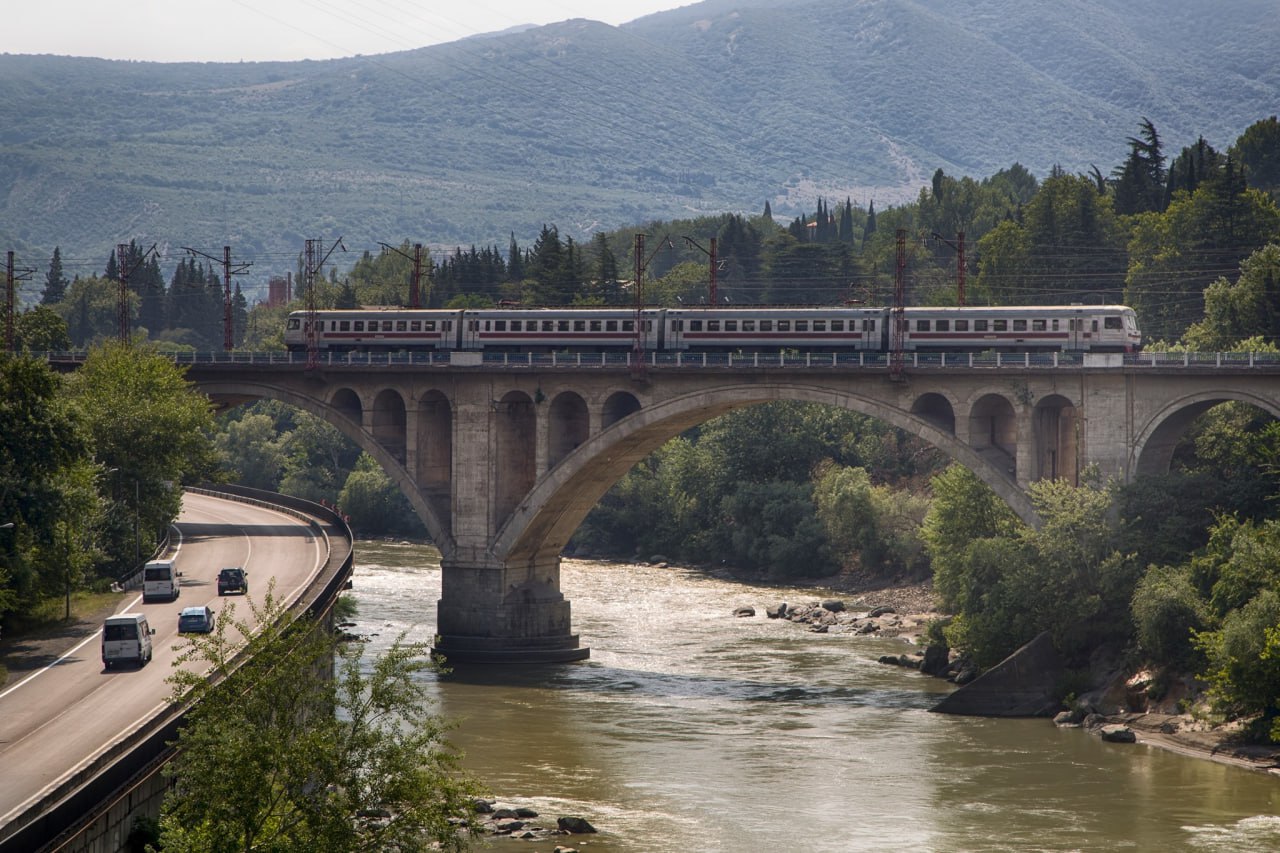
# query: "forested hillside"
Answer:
x=711 y=108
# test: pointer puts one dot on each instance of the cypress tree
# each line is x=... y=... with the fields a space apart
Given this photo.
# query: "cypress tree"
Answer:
x=55 y=283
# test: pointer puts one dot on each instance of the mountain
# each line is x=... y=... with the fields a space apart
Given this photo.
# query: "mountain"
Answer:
x=719 y=106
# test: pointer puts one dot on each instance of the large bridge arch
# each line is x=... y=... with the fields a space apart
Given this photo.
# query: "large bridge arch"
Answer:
x=344 y=411
x=558 y=503
x=1157 y=439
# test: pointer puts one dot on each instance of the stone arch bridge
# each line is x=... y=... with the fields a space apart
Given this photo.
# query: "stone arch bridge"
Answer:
x=502 y=461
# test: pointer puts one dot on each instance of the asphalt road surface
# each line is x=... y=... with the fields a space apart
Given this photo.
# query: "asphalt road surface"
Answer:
x=56 y=720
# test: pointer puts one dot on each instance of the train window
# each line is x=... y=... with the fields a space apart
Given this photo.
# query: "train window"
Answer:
x=427 y=325
x=611 y=325
x=648 y=325
x=748 y=325
x=1111 y=323
x=713 y=325
x=595 y=326
x=628 y=325
x=1039 y=325
x=516 y=325
x=868 y=325
x=942 y=326
x=819 y=325
x=766 y=325
x=294 y=323
x=402 y=326
x=1055 y=324
x=1095 y=324
x=802 y=325
x=358 y=326
x=731 y=325
x=1019 y=325
x=962 y=325
x=499 y=325
x=447 y=325
x=695 y=325
x=979 y=325
x=548 y=325
x=579 y=325
x=999 y=325
x=784 y=325
x=562 y=325
x=838 y=326
x=922 y=325
x=475 y=325
x=386 y=325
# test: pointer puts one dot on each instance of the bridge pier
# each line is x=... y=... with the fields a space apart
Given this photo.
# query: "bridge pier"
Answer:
x=491 y=613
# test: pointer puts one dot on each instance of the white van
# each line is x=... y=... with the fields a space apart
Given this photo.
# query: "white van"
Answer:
x=160 y=581
x=126 y=638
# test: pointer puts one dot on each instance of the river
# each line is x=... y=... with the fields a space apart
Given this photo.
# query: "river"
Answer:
x=689 y=729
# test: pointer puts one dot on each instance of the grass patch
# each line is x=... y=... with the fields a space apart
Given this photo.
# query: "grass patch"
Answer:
x=49 y=615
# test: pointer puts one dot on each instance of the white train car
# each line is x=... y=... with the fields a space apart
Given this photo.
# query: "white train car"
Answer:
x=376 y=330
x=1030 y=328
x=550 y=329
x=773 y=329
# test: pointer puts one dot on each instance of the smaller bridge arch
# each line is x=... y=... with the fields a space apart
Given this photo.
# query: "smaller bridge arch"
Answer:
x=1154 y=446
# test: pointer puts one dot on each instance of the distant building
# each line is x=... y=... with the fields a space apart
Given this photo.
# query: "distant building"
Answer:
x=279 y=290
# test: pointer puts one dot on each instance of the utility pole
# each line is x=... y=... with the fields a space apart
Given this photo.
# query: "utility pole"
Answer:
x=123 y=272
x=715 y=265
x=10 y=276
x=313 y=263
x=642 y=263
x=958 y=246
x=228 y=335
x=415 y=276
x=898 y=313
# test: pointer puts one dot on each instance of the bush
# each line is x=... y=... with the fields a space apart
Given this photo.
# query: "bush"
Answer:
x=1167 y=610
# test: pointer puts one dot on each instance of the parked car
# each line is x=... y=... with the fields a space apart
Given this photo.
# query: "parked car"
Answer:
x=195 y=620
x=233 y=579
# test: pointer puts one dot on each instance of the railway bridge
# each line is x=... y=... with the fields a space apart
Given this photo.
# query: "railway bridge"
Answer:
x=503 y=458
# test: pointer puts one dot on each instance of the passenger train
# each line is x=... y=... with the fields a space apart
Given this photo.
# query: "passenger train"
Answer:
x=1046 y=328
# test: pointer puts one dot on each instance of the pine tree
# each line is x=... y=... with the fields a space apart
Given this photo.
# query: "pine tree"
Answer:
x=768 y=211
x=870 y=227
x=55 y=283
x=1140 y=181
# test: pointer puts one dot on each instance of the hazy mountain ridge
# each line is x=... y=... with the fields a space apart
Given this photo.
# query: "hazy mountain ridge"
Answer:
x=712 y=107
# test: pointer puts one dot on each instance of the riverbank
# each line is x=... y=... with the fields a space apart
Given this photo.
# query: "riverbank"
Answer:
x=913 y=603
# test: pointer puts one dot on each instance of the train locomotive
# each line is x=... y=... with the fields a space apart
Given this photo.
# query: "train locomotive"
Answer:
x=1044 y=328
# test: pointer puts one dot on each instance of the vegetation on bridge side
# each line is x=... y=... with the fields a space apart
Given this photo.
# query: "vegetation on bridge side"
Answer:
x=278 y=754
x=91 y=468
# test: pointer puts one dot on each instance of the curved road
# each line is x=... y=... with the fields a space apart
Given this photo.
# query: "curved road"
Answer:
x=55 y=721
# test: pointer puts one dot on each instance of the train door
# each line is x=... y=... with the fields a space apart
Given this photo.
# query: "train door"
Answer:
x=1074 y=333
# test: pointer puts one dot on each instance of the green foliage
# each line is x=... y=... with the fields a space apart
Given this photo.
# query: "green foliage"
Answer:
x=1006 y=583
x=1168 y=610
x=147 y=427
x=1247 y=309
x=374 y=504
x=1258 y=152
x=772 y=529
x=40 y=329
x=252 y=451
x=279 y=753
x=1242 y=672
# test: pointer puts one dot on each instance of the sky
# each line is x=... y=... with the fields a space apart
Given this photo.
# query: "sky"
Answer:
x=264 y=30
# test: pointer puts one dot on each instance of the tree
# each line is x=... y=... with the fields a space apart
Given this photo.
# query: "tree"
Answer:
x=40 y=329
x=1258 y=153
x=42 y=442
x=252 y=451
x=374 y=504
x=1139 y=183
x=275 y=758
x=147 y=425
x=1247 y=308
x=55 y=283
